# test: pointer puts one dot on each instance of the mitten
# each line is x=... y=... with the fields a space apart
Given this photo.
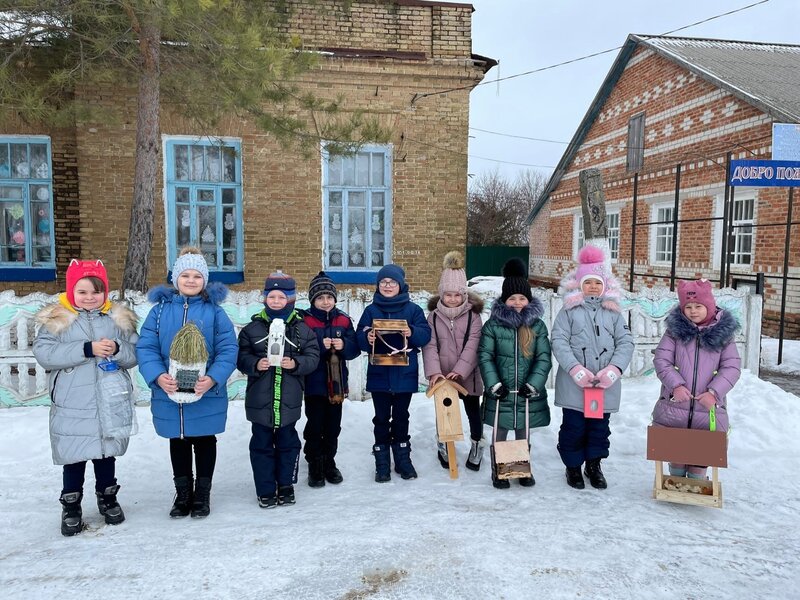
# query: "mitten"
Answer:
x=582 y=376
x=707 y=399
x=528 y=391
x=499 y=391
x=681 y=394
x=608 y=376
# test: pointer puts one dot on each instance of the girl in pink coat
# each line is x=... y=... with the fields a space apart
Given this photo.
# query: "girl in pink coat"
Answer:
x=455 y=320
x=697 y=363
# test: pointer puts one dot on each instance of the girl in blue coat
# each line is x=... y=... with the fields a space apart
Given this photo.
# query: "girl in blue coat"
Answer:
x=392 y=386
x=189 y=426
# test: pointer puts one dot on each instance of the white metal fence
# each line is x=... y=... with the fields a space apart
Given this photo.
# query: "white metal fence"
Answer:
x=23 y=382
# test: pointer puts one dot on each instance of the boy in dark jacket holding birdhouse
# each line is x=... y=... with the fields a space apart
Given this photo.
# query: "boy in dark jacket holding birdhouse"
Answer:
x=275 y=392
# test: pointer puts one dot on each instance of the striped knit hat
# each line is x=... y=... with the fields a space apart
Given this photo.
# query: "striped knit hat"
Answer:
x=321 y=284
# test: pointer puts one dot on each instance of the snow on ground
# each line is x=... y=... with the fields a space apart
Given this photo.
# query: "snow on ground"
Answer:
x=790 y=363
x=428 y=538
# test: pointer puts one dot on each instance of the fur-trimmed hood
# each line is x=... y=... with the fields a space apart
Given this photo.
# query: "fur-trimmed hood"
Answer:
x=508 y=317
x=215 y=291
x=472 y=298
x=714 y=337
x=57 y=318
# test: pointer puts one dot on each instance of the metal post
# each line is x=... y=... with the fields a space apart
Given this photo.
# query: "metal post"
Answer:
x=675 y=227
x=633 y=228
x=729 y=237
x=785 y=275
x=724 y=236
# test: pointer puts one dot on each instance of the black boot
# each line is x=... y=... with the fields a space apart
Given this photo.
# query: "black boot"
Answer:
x=574 y=478
x=527 y=481
x=500 y=484
x=595 y=474
x=184 y=494
x=286 y=495
x=109 y=507
x=71 y=513
x=201 y=504
x=316 y=472
x=332 y=473
x=383 y=463
x=402 y=460
x=441 y=453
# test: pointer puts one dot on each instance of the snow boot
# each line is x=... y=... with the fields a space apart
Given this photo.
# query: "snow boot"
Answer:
x=201 y=504
x=383 y=463
x=71 y=513
x=402 y=460
x=332 y=473
x=475 y=455
x=316 y=472
x=442 y=454
x=285 y=495
x=109 y=507
x=527 y=481
x=500 y=484
x=184 y=494
x=595 y=474
x=574 y=478
x=269 y=501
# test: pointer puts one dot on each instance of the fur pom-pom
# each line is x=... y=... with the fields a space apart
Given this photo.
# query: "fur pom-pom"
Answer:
x=515 y=267
x=453 y=260
x=591 y=254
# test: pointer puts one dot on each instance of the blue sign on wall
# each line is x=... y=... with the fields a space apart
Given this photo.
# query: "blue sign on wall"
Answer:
x=765 y=173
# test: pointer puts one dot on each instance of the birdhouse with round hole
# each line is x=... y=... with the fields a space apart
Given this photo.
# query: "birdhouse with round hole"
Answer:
x=448 y=410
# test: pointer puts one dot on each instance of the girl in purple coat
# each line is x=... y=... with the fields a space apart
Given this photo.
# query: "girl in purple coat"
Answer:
x=697 y=363
x=455 y=319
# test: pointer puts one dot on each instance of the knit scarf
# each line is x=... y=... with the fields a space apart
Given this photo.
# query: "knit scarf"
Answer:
x=390 y=305
x=453 y=313
x=268 y=314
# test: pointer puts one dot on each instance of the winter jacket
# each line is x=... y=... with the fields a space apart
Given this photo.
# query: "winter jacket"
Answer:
x=271 y=400
x=502 y=361
x=701 y=359
x=209 y=414
x=335 y=324
x=394 y=379
x=453 y=347
x=90 y=407
x=590 y=332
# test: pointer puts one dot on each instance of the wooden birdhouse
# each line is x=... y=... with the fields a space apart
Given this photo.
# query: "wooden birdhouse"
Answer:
x=690 y=447
x=390 y=347
x=448 y=417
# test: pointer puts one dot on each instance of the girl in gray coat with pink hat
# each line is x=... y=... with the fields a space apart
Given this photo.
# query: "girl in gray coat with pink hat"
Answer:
x=455 y=319
x=698 y=364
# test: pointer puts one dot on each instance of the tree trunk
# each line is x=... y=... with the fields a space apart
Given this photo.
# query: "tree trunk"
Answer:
x=148 y=150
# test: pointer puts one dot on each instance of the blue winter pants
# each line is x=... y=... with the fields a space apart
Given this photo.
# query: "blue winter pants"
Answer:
x=581 y=439
x=391 y=417
x=75 y=474
x=274 y=454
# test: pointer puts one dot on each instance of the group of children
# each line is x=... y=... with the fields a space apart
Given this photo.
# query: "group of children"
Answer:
x=88 y=343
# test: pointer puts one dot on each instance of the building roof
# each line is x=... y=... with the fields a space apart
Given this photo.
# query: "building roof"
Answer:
x=766 y=76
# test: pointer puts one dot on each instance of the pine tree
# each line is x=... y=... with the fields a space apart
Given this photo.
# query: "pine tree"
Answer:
x=205 y=58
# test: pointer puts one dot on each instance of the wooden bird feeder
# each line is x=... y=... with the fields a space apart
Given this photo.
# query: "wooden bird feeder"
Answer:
x=448 y=417
x=690 y=447
x=391 y=355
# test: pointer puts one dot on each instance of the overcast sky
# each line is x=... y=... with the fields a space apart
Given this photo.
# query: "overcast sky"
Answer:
x=529 y=34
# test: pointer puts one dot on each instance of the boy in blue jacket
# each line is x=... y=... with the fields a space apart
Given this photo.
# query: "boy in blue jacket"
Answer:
x=392 y=386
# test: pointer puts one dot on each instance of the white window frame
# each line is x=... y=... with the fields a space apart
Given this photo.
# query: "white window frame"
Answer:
x=577 y=234
x=371 y=255
x=613 y=233
x=655 y=232
x=741 y=195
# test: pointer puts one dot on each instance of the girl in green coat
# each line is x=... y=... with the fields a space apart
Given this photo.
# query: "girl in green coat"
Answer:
x=514 y=359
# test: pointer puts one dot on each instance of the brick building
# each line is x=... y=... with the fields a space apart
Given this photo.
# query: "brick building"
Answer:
x=251 y=205
x=669 y=101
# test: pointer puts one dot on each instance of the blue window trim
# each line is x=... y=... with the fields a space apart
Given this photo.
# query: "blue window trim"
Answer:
x=226 y=273
x=27 y=271
x=27 y=274
x=349 y=274
x=226 y=277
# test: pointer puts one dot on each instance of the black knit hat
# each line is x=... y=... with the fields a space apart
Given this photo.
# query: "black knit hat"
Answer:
x=321 y=284
x=515 y=272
